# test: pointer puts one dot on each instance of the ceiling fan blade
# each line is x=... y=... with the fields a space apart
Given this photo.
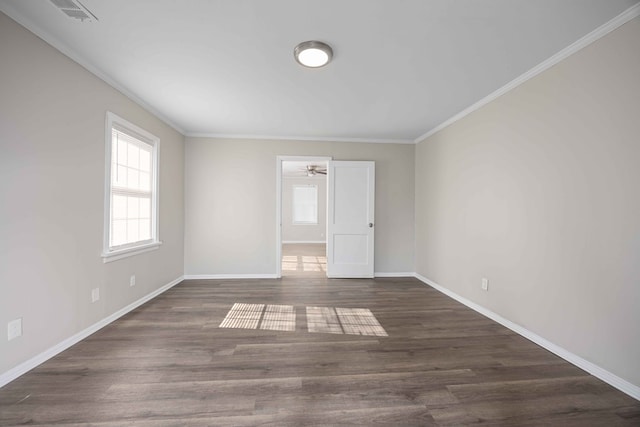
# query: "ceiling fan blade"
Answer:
x=322 y=172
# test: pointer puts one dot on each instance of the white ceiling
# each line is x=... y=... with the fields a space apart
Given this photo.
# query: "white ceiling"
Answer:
x=400 y=68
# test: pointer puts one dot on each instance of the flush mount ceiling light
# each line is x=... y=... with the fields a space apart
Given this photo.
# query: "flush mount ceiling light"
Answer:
x=313 y=54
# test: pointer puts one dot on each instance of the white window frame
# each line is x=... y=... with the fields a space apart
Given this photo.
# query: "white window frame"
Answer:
x=110 y=253
x=293 y=204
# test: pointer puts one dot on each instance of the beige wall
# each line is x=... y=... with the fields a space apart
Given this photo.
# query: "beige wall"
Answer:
x=304 y=232
x=231 y=202
x=52 y=172
x=539 y=192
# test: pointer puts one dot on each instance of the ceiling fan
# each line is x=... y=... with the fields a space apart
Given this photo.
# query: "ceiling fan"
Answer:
x=313 y=170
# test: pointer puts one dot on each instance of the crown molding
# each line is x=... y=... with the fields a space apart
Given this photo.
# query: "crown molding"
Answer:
x=623 y=18
x=299 y=138
x=70 y=53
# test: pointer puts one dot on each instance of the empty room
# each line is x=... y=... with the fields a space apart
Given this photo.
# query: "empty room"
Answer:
x=295 y=213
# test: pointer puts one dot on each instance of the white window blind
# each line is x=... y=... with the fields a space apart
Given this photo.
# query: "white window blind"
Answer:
x=131 y=194
x=305 y=204
x=131 y=201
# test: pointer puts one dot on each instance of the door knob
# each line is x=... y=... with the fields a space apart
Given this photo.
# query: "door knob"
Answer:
x=370 y=225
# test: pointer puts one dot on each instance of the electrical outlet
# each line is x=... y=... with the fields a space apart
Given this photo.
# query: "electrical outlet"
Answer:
x=132 y=280
x=95 y=294
x=485 y=284
x=14 y=329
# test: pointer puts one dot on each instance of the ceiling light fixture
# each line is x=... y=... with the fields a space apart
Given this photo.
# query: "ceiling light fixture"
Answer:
x=313 y=54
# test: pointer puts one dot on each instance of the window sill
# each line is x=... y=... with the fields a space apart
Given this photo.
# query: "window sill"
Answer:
x=125 y=253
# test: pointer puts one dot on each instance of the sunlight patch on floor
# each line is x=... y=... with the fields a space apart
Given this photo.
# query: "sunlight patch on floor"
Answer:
x=350 y=321
x=268 y=317
x=279 y=318
x=328 y=320
x=244 y=316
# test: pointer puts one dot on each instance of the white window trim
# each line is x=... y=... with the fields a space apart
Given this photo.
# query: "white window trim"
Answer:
x=109 y=254
x=293 y=207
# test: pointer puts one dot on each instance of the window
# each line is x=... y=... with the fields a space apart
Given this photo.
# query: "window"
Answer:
x=131 y=200
x=305 y=204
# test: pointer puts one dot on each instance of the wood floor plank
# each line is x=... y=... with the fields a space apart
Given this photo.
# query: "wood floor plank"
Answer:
x=168 y=363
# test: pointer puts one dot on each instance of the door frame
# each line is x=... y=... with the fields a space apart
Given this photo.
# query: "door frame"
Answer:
x=279 y=160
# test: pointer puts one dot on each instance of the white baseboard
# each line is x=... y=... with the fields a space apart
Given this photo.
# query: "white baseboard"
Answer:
x=24 y=367
x=385 y=274
x=273 y=276
x=301 y=242
x=230 y=276
x=595 y=370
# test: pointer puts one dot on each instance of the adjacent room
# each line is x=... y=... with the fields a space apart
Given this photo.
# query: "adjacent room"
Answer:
x=304 y=217
x=299 y=213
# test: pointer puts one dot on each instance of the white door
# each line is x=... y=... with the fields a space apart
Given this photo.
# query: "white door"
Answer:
x=350 y=221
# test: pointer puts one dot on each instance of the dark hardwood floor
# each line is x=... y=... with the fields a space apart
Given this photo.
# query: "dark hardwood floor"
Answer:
x=169 y=364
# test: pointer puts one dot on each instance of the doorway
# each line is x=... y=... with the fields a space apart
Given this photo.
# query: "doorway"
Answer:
x=301 y=216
